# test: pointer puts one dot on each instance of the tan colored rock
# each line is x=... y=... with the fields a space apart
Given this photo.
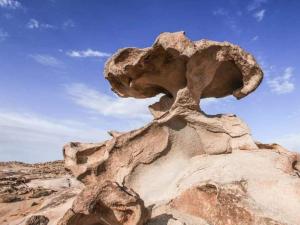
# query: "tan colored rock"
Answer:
x=185 y=167
x=241 y=188
x=106 y=204
x=185 y=71
x=189 y=132
x=174 y=63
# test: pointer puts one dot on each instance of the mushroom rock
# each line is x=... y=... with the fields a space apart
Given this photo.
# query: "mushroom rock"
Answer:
x=183 y=70
x=185 y=166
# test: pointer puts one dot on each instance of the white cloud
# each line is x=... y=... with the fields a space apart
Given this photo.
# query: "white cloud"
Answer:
x=283 y=83
x=3 y=35
x=87 y=53
x=259 y=16
x=255 y=38
x=107 y=105
x=255 y=4
x=10 y=4
x=33 y=138
x=47 y=60
x=34 y=24
x=127 y=108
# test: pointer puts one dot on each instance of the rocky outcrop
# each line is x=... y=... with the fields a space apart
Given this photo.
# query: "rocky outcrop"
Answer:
x=36 y=194
x=106 y=204
x=189 y=134
x=184 y=70
x=185 y=166
x=237 y=188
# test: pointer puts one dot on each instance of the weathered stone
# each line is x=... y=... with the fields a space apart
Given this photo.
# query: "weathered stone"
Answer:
x=106 y=204
x=37 y=220
x=191 y=132
x=40 y=192
x=8 y=197
x=174 y=64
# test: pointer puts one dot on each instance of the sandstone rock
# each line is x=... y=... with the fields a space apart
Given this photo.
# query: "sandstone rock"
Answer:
x=188 y=134
x=37 y=220
x=174 y=64
x=241 y=188
x=185 y=71
x=189 y=168
x=106 y=204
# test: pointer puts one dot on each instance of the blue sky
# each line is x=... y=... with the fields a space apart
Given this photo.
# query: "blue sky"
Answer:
x=52 y=54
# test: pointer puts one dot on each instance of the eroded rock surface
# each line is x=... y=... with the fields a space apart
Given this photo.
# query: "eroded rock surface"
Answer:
x=187 y=134
x=106 y=204
x=184 y=70
x=190 y=168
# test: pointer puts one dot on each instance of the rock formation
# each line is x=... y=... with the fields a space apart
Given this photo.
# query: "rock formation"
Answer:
x=184 y=167
x=185 y=72
x=106 y=204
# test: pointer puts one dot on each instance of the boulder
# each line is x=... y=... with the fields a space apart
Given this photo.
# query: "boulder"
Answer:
x=37 y=220
x=106 y=204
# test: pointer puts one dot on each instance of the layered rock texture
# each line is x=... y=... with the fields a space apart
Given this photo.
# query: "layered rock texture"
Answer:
x=184 y=167
x=35 y=194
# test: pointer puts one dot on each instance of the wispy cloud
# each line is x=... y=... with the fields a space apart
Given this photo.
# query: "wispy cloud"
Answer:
x=47 y=60
x=106 y=105
x=255 y=38
x=229 y=19
x=68 y=24
x=3 y=35
x=220 y=12
x=10 y=4
x=255 y=4
x=282 y=84
x=259 y=16
x=32 y=137
x=87 y=53
x=34 y=24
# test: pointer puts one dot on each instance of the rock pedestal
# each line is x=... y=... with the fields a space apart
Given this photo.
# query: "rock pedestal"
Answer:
x=185 y=167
